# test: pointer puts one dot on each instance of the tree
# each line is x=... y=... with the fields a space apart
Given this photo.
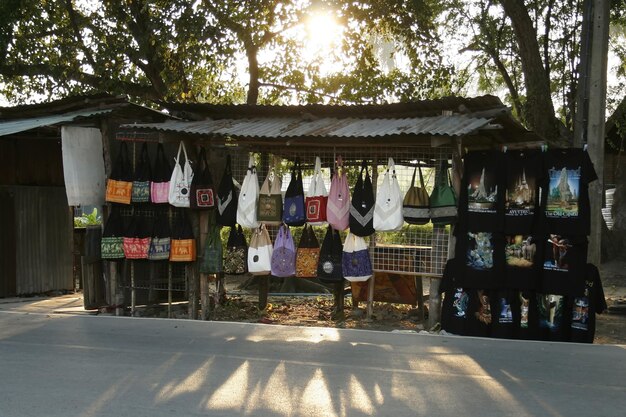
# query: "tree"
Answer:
x=178 y=50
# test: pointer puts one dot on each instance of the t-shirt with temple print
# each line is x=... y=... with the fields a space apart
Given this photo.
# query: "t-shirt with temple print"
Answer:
x=521 y=197
x=565 y=192
x=482 y=192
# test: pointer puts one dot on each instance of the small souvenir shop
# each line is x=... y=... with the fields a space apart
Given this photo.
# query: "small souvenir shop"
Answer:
x=377 y=195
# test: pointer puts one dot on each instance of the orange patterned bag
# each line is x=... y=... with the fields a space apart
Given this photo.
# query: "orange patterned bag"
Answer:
x=183 y=243
x=120 y=183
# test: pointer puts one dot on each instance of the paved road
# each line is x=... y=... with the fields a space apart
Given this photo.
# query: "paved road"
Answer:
x=56 y=365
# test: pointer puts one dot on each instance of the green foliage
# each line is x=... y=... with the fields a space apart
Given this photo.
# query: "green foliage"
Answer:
x=91 y=219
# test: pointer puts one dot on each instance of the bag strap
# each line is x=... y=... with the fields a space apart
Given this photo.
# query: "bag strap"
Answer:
x=419 y=167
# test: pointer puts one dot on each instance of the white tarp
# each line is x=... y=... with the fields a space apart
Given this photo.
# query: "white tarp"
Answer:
x=83 y=166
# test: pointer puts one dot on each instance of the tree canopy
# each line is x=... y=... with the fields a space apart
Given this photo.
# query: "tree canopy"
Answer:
x=528 y=52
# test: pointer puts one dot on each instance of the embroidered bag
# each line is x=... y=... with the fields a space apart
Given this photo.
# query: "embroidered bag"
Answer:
x=388 y=208
x=160 y=184
x=284 y=254
x=160 y=241
x=260 y=252
x=338 y=205
x=137 y=238
x=141 y=181
x=112 y=243
x=270 y=208
x=120 y=184
x=183 y=243
x=202 y=189
x=308 y=254
x=180 y=181
x=329 y=269
x=248 y=197
x=293 y=212
x=212 y=255
x=416 y=203
x=355 y=260
x=443 y=208
x=362 y=206
x=236 y=256
x=227 y=198
x=317 y=198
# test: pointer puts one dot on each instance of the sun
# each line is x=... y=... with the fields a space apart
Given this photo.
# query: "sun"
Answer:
x=323 y=35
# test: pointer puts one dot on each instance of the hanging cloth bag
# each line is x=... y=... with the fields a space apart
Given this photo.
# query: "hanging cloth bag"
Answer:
x=416 y=203
x=260 y=252
x=141 y=181
x=161 y=239
x=160 y=184
x=202 y=189
x=213 y=253
x=308 y=254
x=248 y=197
x=180 y=181
x=227 y=198
x=293 y=212
x=388 y=208
x=120 y=183
x=355 y=260
x=443 y=204
x=329 y=269
x=236 y=256
x=270 y=208
x=317 y=198
x=284 y=254
x=362 y=206
x=137 y=238
x=112 y=243
x=183 y=243
x=338 y=206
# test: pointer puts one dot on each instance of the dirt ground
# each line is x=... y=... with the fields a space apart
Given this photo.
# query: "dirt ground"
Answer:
x=317 y=311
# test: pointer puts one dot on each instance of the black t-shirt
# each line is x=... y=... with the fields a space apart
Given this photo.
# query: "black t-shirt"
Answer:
x=565 y=191
x=454 y=309
x=480 y=315
x=523 y=255
x=521 y=203
x=504 y=318
x=564 y=265
x=553 y=317
x=481 y=259
x=585 y=307
x=482 y=192
x=526 y=315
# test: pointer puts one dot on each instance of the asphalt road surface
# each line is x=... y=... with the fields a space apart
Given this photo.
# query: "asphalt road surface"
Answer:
x=63 y=365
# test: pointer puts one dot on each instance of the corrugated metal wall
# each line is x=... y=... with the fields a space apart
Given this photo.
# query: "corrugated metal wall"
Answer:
x=7 y=242
x=43 y=230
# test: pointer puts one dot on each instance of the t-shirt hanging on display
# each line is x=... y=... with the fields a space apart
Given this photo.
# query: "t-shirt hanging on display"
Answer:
x=480 y=315
x=564 y=260
x=523 y=261
x=565 y=201
x=483 y=263
x=482 y=193
x=553 y=320
x=584 y=307
x=504 y=314
x=521 y=202
x=455 y=305
x=527 y=323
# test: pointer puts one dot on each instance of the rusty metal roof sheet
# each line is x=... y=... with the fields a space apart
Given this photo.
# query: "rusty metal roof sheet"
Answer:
x=323 y=127
x=9 y=127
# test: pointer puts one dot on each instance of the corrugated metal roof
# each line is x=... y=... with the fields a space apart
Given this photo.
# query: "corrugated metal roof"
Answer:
x=329 y=127
x=20 y=125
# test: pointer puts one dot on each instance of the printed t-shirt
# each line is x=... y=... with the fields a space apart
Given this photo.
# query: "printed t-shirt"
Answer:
x=523 y=255
x=553 y=317
x=585 y=307
x=564 y=265
x=481 y=259
x=504 y=317
x=521 y=200
x=454 y=308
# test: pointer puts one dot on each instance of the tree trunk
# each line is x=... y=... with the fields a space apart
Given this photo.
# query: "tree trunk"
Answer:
x=539 y=112
x=253 y=70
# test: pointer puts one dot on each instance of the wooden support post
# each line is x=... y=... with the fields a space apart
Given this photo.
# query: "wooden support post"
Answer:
x=596 y=122
x=133 y=291
x=370 y=288
x=205 y=307
x=419 y=288
x=192 y=273
x=370 y=297
x=169 y=290
x=264 y=287
x=338 y=300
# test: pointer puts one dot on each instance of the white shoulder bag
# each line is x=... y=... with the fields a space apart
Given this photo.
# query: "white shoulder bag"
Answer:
x=248 y=196
x=388 y=208
x=180 y=182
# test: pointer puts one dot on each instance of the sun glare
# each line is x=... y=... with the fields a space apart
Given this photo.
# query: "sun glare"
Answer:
x=323 y=35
